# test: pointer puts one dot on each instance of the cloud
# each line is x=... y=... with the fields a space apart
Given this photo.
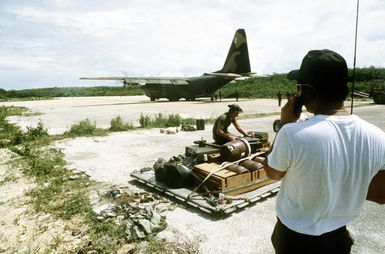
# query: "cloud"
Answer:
x=21 y=63
x=159 y=37
x=95 y=24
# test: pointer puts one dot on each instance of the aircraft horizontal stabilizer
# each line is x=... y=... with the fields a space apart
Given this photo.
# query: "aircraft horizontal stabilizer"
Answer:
x=225 y=75
x=104 y=78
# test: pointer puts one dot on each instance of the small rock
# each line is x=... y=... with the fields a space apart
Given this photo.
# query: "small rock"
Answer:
x=94 y=198
x=74 y=177
x=76 y=232
x=110 y=214
x=103 y=209
x=120 y=217
x=127 y=249
x=113 y=193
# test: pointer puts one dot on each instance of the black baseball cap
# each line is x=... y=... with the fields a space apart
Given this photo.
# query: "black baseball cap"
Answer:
x=321 y=68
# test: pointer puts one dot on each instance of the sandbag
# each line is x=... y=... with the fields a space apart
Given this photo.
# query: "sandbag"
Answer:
x=160 y=173
x=173 y=173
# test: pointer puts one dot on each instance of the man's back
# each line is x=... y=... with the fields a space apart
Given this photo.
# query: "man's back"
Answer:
x=330 y=161
x=225 y=121
x=326 y=163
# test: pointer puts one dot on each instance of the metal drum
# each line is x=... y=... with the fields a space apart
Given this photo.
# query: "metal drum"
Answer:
x=235 y=150
x=200 y=123
x=250 y=165
x=237 y=169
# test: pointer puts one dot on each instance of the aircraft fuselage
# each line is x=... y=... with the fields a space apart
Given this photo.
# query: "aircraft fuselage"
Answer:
x=196 y=87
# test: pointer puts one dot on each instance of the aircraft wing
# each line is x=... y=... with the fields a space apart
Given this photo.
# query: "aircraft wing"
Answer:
x=144 y=80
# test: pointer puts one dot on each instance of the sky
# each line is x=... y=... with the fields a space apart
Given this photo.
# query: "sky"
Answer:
x=52 y=43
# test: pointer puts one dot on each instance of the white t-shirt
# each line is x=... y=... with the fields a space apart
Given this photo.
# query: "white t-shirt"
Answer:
x=330 y=161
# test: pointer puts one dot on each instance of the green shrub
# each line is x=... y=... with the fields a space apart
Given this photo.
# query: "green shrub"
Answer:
x=40 y=167
x=190 y=121
x=264 y=87
x=173 y=120
x=159 y=121
x=10 y=134
x=144 y=121
x=12 y=111
x=117 y=124
x=83 y=128
x=35 y=133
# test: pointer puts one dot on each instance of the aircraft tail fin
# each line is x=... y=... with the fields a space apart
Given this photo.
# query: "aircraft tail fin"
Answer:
x=237 y=60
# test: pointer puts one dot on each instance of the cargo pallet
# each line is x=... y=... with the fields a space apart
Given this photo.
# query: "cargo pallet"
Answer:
x=202 y=202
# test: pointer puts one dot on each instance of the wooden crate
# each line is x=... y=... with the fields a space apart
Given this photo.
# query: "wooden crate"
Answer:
x=214 y=157
x=258 y=174
x=229 y=182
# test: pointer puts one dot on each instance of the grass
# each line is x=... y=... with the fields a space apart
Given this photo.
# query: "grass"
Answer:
x=12 y=111
x=65 y=197
x=58 y=193
x=7 y=179
x=28 y=114
x=165 y=247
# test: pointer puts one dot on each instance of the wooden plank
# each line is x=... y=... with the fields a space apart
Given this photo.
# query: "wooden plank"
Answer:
x=211 y=167
x=210 y=183
x=248 y=187
x=237 y=180
x=258 y=174
x=228 y=178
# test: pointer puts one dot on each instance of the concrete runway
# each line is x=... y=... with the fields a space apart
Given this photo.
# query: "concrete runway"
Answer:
x=58 y=114
x=112 y=158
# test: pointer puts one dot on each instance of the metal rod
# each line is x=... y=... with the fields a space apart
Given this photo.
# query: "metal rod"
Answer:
x=354 y=60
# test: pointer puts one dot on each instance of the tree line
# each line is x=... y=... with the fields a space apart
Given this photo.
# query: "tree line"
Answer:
x=262 y=87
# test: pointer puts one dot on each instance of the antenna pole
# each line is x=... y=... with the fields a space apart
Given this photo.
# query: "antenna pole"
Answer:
x=354 y=60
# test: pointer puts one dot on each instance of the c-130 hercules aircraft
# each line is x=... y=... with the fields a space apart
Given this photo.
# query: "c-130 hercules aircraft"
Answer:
x=237 y=65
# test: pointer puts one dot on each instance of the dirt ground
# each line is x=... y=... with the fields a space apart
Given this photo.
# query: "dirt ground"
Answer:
x=111 y=159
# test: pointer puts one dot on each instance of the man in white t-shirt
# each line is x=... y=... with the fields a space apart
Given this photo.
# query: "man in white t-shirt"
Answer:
x=326 y=162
